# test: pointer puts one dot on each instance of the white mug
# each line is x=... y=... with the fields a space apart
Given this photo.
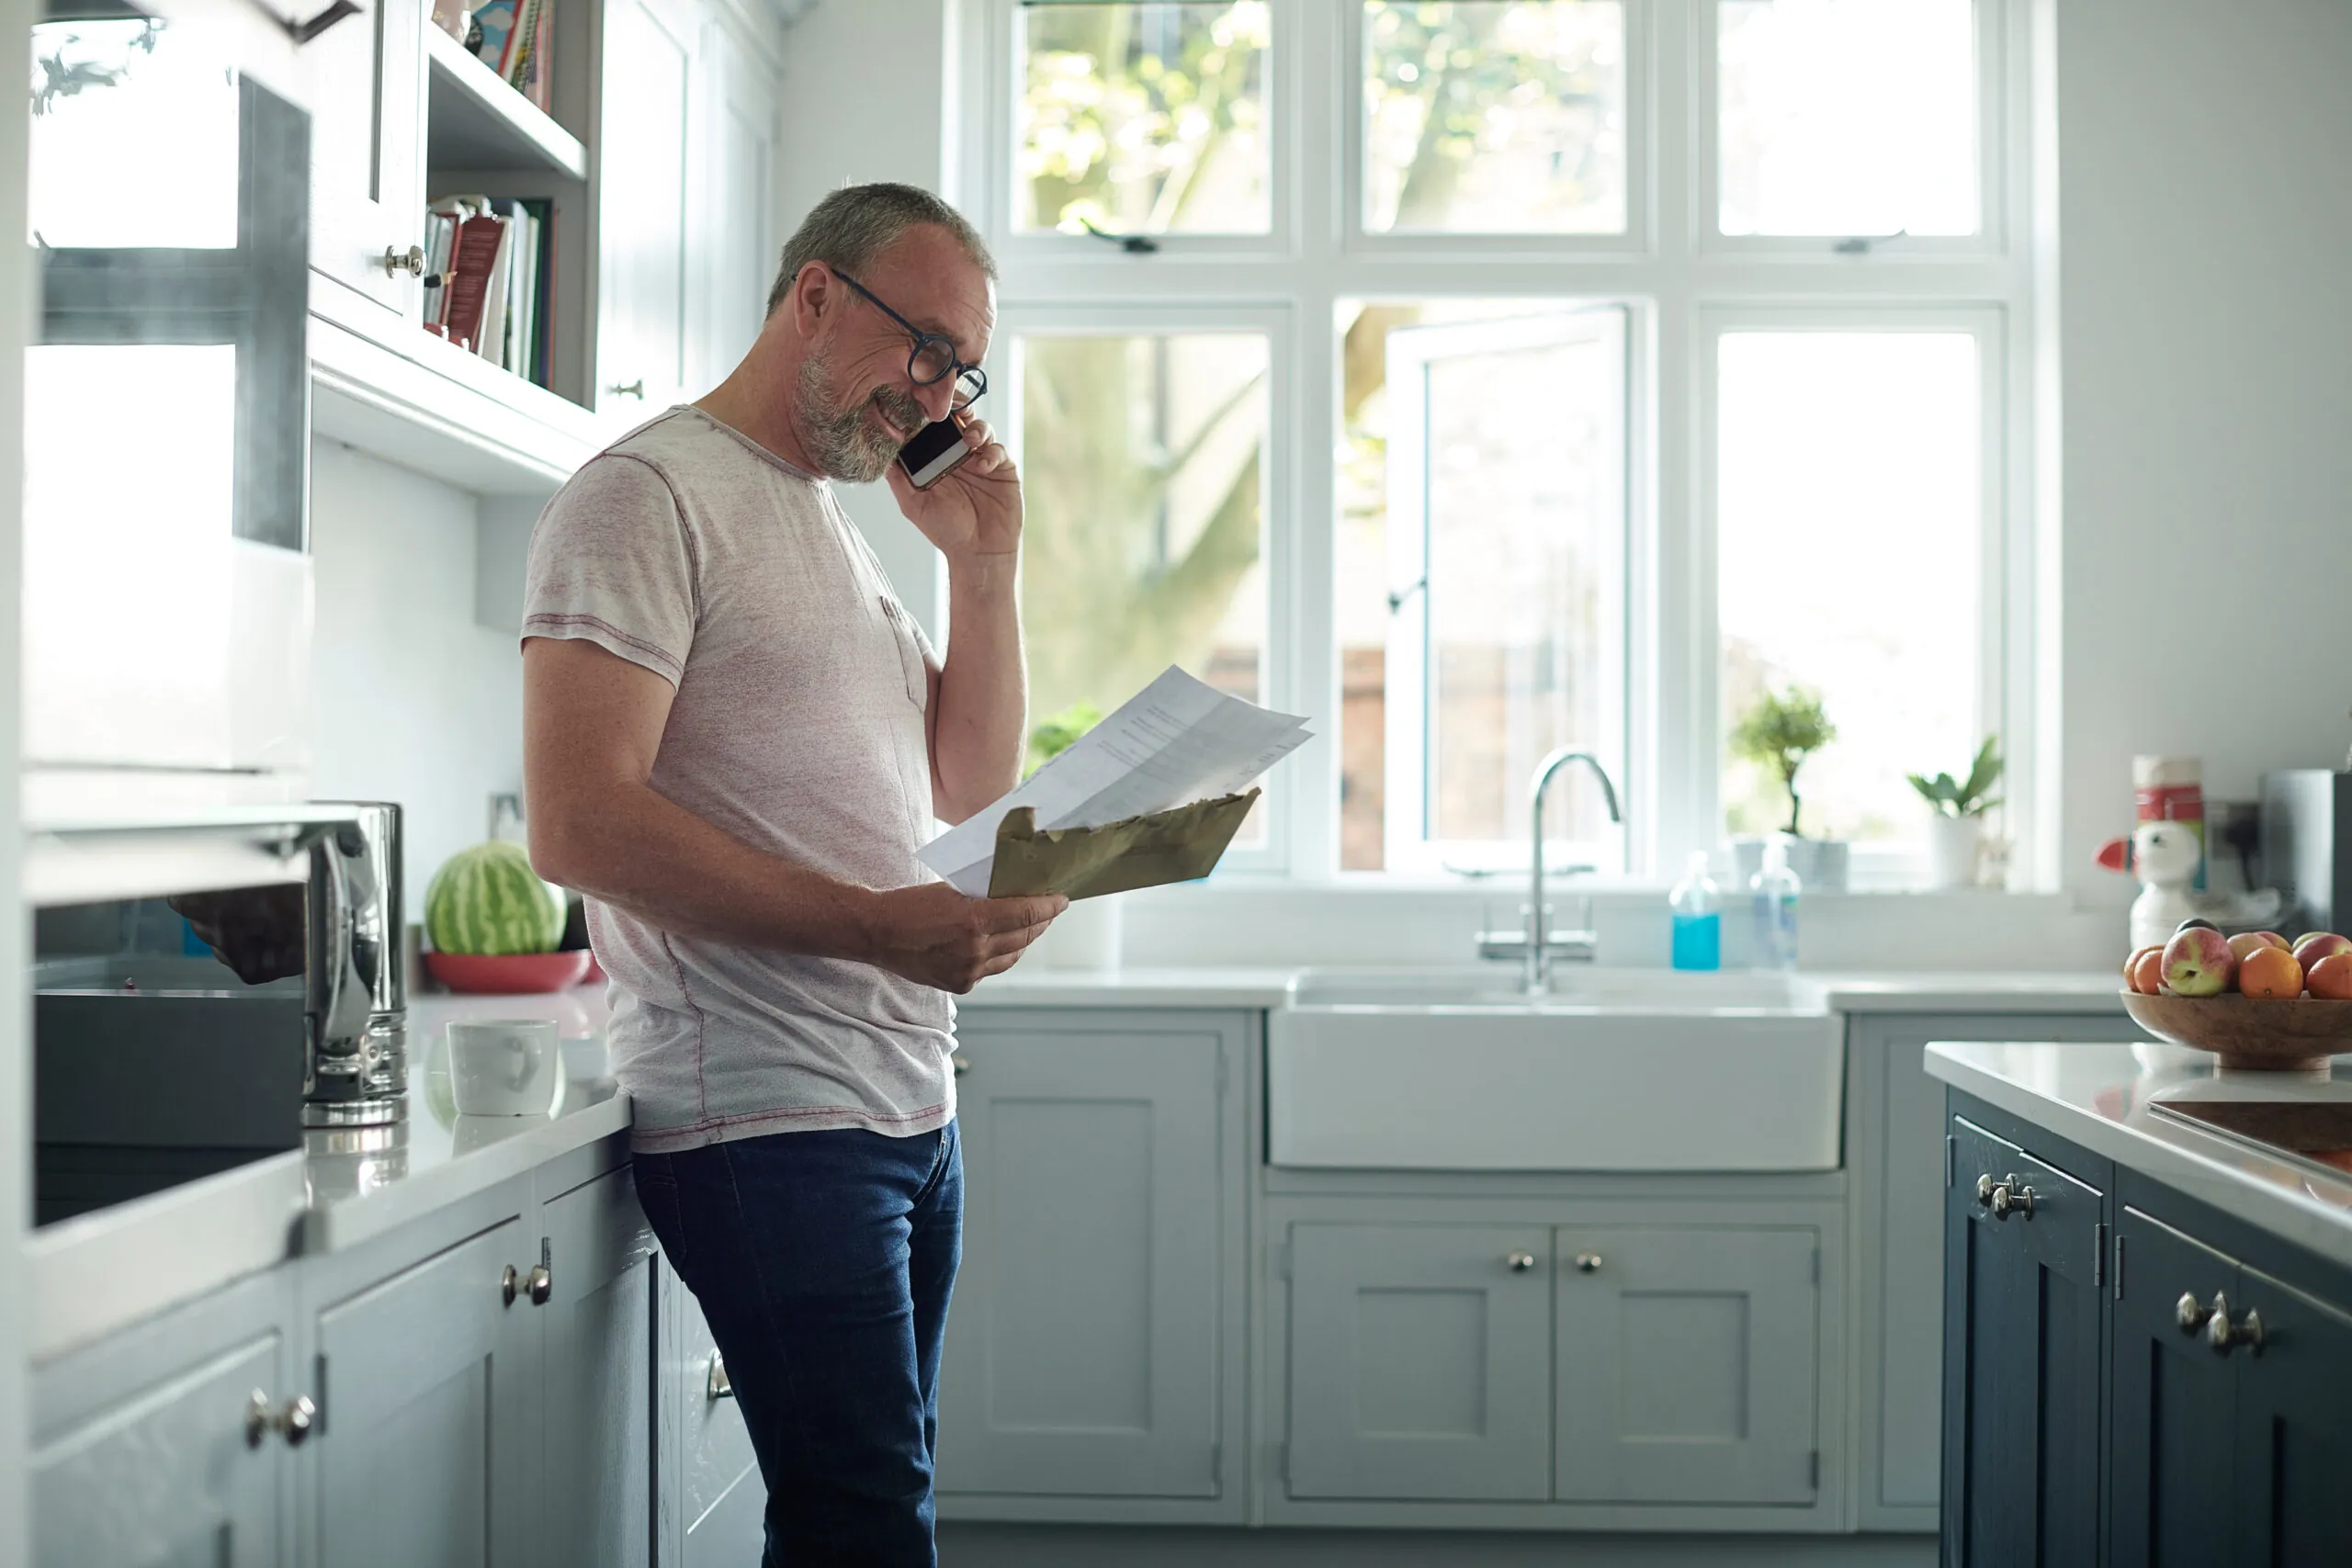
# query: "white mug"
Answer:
x=503 y=1067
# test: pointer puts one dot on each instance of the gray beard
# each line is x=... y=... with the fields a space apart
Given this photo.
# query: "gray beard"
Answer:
x=842 y=440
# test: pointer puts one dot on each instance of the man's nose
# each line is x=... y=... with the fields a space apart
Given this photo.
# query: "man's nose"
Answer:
x=936 y=398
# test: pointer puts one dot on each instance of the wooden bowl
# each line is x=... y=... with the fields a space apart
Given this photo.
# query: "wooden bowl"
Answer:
x=511 y=974
x=2264 y=1032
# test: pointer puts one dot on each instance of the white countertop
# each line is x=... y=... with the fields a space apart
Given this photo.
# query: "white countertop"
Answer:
x=2101 y=1097
x=1922 y=992
x=101 y=1271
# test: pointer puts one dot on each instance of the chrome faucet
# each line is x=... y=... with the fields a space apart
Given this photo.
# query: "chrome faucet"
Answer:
x=1538 y=944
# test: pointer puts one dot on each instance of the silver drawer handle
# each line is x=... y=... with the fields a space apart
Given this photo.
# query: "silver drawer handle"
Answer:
x=410 y=261
x=2225 y=1336
x=1588 y=1263
x=716 y=1385
x=1519 y=1262
x=633 y=389
x=292 y=1421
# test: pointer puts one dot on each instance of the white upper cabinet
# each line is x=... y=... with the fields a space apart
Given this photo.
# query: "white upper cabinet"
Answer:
x=367 y=92
x=734 y=201
x=645 y=261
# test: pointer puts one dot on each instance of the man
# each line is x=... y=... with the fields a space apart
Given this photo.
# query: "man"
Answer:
x=735 y=742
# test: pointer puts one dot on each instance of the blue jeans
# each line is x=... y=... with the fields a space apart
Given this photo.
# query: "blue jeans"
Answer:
x=823 y=1263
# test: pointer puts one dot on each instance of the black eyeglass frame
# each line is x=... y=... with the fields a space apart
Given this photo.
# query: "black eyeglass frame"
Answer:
x=956 y=367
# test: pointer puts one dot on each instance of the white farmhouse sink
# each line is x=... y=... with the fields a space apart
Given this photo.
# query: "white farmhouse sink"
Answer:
x=1626 y=1069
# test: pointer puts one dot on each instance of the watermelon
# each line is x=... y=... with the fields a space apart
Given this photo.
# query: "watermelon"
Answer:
x=488 y=900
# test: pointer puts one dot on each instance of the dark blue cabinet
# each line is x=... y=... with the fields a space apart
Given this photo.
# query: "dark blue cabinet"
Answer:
x=2022 y=1274
x=2132 y=1379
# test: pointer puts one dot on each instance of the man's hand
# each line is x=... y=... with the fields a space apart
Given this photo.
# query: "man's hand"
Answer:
x=936 y=936
x=975 y=510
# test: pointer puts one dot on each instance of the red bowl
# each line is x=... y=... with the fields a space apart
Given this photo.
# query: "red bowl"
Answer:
x=508 y=974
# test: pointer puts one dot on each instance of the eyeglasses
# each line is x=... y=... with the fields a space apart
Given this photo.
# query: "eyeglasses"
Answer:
x=934 y=358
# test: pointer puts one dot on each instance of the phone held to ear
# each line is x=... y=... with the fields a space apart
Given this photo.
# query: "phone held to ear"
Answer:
x=933 y=455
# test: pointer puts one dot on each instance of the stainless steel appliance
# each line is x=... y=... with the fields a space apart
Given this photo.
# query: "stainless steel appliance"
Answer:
x=2307 y=845
x=205 y=990
x=167 y=587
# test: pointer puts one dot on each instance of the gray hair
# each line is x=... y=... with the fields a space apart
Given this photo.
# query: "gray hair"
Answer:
x=855 y=224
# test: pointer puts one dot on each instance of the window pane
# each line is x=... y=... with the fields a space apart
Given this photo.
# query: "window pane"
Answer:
x=1848 y=117
x=1143 y=118
x=1495 y=119
x=1481 y=578
x=1849 y=551
x=1142 y=463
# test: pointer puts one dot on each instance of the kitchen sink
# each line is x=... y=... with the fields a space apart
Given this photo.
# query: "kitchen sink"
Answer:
x=1623 y=1069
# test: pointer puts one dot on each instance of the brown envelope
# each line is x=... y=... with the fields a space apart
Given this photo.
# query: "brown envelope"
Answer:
x=1177 y=845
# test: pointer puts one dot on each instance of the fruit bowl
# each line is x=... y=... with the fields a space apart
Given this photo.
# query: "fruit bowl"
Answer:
x=2272 y=1034
x=514 y=972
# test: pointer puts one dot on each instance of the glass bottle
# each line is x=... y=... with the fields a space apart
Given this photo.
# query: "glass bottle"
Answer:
x=1697 y=918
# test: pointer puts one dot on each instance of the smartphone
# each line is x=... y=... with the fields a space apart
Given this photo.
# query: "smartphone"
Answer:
x=933 y=455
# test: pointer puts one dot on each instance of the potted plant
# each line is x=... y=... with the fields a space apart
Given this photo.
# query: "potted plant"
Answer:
x=1956 y=820
x=1086 y=935
x=1779 y=733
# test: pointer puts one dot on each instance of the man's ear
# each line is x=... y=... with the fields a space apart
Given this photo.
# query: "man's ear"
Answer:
x=811 y=299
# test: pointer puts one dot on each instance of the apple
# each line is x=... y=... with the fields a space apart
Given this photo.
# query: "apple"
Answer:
x=2332 y=977
x=2274 y=939
x=2198 y=962
x=2148 y=977
x=2247 y=944
x=2313 y=946
x=2195 y=923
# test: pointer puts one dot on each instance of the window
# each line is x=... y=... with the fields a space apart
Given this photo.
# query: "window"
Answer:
x=1418 y=373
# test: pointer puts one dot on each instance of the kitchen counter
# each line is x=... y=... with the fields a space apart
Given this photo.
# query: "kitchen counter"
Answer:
x=1941 y=991
x=2102 y=1097
x=100 y=1271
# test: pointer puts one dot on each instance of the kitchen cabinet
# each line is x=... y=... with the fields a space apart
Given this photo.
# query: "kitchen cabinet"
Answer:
x=429 y=1450
x=146 y=1450
x=1895 y=1143
x=2023 y=1276
x=1685 y=1363
x=734 y=199
x=597 y=1378
x=365 y=76
x=712 y=1504
x=647 y=161
x=1094 y=1348
x=1419 y=1361
x=2229 y=1431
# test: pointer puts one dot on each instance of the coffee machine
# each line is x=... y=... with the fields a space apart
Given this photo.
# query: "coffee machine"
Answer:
x=2307 y=845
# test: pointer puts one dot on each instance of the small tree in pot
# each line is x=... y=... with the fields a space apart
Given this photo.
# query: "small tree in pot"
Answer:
x=1779 y=733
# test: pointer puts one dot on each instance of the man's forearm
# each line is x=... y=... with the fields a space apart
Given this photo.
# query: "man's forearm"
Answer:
x=982 y=724
x=630 y=846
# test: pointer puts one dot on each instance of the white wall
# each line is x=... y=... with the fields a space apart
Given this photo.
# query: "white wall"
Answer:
x=866 y=97
x=2205 y=219
x=416 y=703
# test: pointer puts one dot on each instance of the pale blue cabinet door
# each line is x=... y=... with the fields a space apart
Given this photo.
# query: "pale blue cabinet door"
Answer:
x=167 y=1479
x=597 y=1378
x=427 y=1453
x=715 y=1503
x=1419 y=1358
x=1686 y=1364
x=1083 y=1355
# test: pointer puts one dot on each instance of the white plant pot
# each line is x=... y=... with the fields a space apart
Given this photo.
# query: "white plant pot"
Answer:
x=1085 y=936
x=1953 y=846
x=1819 y=863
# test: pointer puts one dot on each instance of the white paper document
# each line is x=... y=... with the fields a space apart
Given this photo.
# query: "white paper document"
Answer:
x=1176 y=741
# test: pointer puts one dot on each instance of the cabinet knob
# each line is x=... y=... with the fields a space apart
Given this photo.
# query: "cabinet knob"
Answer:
x=2189 y=1313
x=633 y=389
x=2012 y=1197
x=2226 y=1336
x=1985 y=1185
x=410 y=261
x=1519 y=1262
x=716 y=1385
x=961 y=1063
x=1588 y=1263
x=541 y=1284
x=506 y=1285
x=292 y=1421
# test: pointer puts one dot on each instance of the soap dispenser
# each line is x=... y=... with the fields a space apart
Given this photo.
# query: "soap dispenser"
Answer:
x=1697 y=918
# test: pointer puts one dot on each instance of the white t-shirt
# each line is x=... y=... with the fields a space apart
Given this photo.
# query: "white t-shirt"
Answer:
x=798 y=727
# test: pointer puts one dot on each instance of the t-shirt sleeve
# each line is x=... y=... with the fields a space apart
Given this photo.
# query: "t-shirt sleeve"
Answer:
x=611 y=563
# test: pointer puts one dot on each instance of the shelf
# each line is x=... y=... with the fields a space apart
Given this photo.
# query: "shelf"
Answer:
x=473 y=120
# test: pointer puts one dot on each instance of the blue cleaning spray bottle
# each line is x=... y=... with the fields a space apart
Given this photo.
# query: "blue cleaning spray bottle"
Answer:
x=1697 y=918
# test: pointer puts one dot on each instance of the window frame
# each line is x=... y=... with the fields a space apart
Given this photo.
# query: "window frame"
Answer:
x=1679 y=276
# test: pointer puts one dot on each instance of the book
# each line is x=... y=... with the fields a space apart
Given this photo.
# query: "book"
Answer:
x=473 y=254
x=496 y=23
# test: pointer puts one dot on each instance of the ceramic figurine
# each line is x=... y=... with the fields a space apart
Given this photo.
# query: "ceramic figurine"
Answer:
x=2165 y=857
